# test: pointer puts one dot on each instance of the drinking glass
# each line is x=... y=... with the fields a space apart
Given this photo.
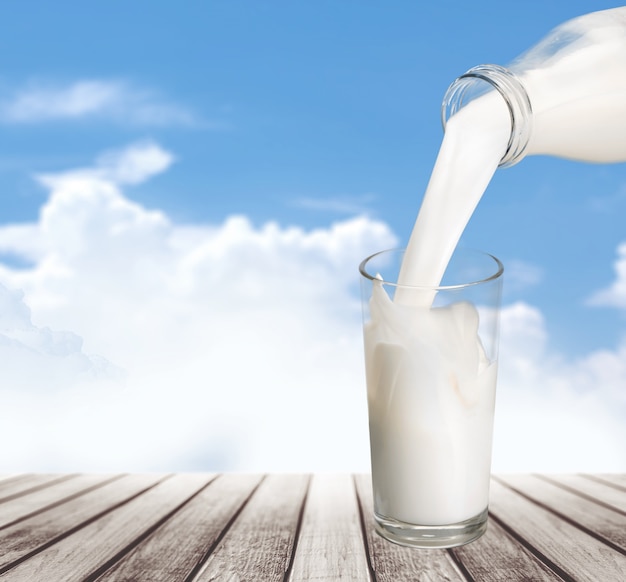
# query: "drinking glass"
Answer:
x=431 y=364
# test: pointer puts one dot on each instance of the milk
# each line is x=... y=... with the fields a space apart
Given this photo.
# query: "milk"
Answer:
x=578 y=97
x=431 y=412
x=430 y=395
x=473 y=145
x=578 y=93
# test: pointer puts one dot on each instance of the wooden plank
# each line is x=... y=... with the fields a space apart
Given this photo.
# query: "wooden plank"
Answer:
x=41 y=499
x=592 y=489
x=172 y=552
x=615 y=479
x=393 y=563
x=496 y=556
x=26 y=537
x=18 y=478
x=77 y=556
x=562 y=546
x=260 y=543
x=606 y=523
x=330 y=546
x=7 y=476
x=25 y=484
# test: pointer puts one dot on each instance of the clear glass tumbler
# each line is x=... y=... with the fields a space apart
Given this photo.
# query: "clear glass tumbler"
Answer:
x=431 y=367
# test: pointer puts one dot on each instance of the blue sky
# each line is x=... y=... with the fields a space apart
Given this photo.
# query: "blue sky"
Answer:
x=308 y=115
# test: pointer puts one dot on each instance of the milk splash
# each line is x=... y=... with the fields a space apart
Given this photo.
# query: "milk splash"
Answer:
x=431 y=386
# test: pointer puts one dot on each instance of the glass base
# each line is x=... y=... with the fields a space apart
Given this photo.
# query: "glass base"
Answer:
x=431 y=536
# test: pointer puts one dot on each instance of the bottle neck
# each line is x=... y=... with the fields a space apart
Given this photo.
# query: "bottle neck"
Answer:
x=481 y=79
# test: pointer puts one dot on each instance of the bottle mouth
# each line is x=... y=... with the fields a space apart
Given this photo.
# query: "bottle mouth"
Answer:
x=464 y=89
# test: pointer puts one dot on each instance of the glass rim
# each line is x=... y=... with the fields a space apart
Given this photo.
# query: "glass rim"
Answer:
x=493 y=277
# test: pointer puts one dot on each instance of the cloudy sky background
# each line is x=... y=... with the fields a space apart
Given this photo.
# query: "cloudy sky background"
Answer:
x=187 y=190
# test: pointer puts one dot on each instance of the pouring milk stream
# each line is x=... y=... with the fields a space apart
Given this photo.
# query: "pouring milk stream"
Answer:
x=565 y=97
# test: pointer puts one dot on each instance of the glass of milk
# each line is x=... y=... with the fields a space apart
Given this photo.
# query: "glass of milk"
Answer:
x=431 y=365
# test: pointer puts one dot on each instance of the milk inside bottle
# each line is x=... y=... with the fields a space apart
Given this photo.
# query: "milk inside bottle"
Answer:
x=430 y=379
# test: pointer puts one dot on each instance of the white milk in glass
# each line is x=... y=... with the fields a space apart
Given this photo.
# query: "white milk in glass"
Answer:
x=430 y=443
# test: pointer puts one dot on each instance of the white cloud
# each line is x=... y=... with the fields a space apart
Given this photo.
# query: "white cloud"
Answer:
x=556 y=414
x=131 y=165
x=615 y=294
x=108 y=99
x=340 y=204
x=241 y=345
x=28 y=352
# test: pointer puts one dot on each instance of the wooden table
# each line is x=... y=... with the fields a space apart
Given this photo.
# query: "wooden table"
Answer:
x=238 y=527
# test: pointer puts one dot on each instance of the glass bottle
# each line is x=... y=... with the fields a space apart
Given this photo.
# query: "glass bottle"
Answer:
x=566 y=96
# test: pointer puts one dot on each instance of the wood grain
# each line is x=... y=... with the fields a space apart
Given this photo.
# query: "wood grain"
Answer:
x=174 y=550
x=296 y=528
x=58 y=492
x=393 y=563
x=27 y=537
x=266 y=528
x=617 y=480
x=610 y=525
x=607 y=495
x=77 y=556
x=331 y=547
x=496 y=556
x=564 y=547
x=25 y=484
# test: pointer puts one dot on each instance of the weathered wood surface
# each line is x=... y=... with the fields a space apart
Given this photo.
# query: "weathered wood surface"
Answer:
x=292 y=528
